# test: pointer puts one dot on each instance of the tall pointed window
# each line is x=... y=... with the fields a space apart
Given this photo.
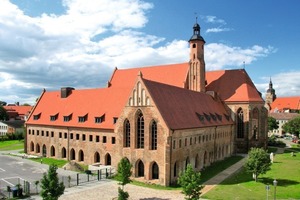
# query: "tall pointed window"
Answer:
x=140 y=130
x=126 y=133
x=154 y=135
x=240 y=123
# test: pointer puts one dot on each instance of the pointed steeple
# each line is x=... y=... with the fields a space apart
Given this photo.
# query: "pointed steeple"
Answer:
x=270 y=95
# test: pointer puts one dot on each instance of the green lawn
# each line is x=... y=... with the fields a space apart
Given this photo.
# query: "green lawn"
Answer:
x=49 y=161
x=11 y=145
x=285 y=169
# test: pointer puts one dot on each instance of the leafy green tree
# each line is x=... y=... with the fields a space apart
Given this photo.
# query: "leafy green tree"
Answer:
x=123 y=176
x=3 y=114
x=258 y=162
x=3 y=103
x=292 y=126
x=272 y=123
x=52 y=189
x=190 y=180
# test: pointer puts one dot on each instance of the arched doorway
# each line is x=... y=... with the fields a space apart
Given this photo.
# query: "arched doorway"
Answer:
x=52 y=151
x=96 y=157
x=44 y=151
x=80 y=155
x=107 y=159
x=31 y=146
x=155 y=171
x=63 y=152
x=37 y=149
x=140 y=169
x=72 y=154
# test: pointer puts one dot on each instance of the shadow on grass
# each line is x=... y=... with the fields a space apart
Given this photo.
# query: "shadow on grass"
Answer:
x=153 y=198
x=280 y=182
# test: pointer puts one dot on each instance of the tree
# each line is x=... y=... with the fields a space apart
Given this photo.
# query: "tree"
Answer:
x=190 y=180
x=3 y=103
x=272 y=123
x=292 y=126
x=258 y=162
x=51 y=188
x=123 y=176
x=3 y=114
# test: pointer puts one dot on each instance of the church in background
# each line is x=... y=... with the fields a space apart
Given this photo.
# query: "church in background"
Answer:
x=283 y=109
x=160 y=118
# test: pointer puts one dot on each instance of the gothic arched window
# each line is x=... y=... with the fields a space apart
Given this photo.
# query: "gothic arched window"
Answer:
x=140 y=131
x=126 y=133
x=240 y=123
x=154 y=135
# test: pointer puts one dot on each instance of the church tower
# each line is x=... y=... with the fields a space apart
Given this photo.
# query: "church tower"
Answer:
x=196 y=77
x=270 y=95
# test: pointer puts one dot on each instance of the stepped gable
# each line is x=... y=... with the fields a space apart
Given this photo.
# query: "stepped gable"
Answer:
x=233 y=86
x=183 y=108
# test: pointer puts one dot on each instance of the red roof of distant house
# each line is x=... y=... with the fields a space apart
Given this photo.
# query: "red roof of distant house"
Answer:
x=17 y=111
x=181 y=108
x=281 y=104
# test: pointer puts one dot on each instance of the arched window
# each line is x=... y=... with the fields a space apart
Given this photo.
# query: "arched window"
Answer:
x=96 y=157
x=140 y=130
x=63 y=152
x=154 y=135
x=126 y=133
x=52 y=151
x=107 y=159
x=72 y=154
x=80 y=155
x=240 y=123
x=140 y=168
x=155 y=171
x=205 y=159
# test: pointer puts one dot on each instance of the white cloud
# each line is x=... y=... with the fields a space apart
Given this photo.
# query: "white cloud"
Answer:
x=214 y=20
x=81 y=47
x=220 y=56
x=284 y=83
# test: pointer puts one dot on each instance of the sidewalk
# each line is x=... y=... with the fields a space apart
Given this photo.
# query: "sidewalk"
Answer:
x=214 y=181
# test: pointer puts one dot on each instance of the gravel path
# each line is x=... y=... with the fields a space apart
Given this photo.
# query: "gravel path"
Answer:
x=109 y=190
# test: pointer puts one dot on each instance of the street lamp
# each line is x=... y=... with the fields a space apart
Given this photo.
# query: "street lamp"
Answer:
x=275 y=184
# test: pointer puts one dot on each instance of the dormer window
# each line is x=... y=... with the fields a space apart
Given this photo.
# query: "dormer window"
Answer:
x=67 y=118
x=115 y=119
x=37 y=117
x=99 y=120
x=53 y=117
x=82 y=119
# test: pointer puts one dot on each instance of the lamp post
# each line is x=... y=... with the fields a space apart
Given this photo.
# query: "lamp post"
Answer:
x=275 y=184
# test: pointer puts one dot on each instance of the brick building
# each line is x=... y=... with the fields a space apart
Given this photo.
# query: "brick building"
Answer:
x=160 y=118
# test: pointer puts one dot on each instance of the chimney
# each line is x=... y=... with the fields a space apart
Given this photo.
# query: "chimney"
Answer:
x=66 y=91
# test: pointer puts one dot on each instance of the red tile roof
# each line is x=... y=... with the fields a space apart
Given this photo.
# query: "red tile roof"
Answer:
x=21 y=110
x=282 y=104
x=93 y=102
x=284 y=116
x=181 y=108
x=174 y=74
x=233 y=85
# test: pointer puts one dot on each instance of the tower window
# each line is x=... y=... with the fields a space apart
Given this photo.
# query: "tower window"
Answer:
x=194 y=45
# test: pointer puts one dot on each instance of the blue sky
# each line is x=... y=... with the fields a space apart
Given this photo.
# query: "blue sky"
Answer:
x=56 y=43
